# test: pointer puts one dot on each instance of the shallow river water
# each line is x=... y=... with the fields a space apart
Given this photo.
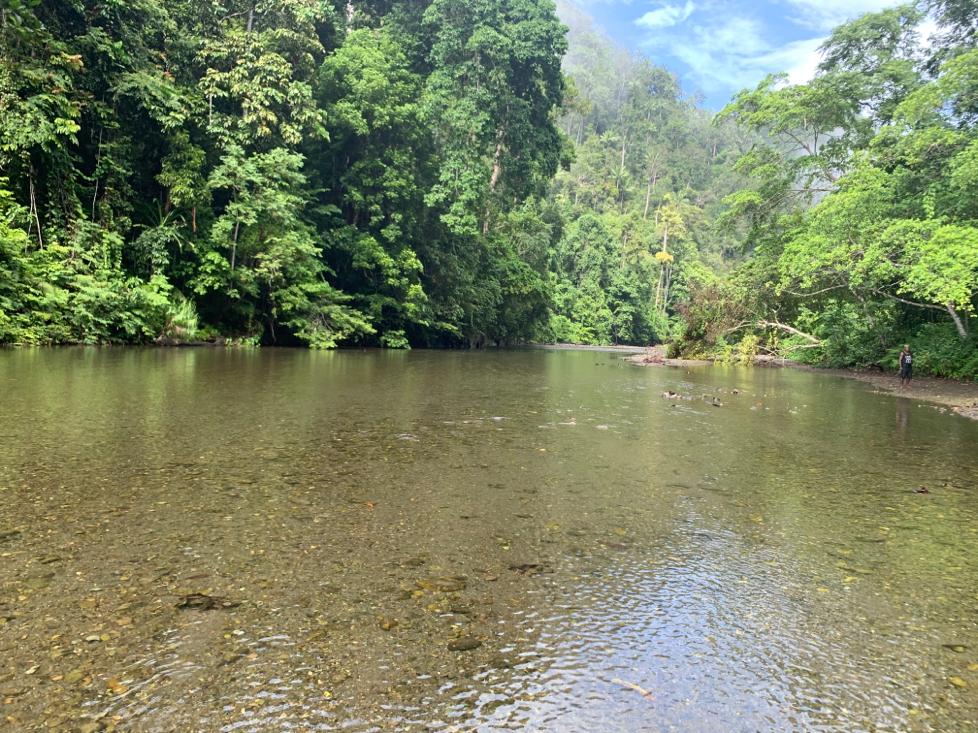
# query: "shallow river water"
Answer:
x=279 y=540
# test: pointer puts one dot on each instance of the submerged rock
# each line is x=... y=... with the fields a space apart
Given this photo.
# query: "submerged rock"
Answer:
x=9 y=535
x=530 y=568
x=38 y=580
x=203 y=602
x=957 y=648
x=464 y=644
x=74 y=676
x=443 y=585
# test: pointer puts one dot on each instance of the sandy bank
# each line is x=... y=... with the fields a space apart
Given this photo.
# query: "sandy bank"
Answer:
x=957 y=395
x=656 y=356
x=588 y=347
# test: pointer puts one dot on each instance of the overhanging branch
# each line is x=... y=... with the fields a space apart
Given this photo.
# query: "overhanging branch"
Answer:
x=792 y=330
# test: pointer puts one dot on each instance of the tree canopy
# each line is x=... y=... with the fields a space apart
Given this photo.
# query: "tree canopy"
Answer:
x=862 y=215
x=473 y=172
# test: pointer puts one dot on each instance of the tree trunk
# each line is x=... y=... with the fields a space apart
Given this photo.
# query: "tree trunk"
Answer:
x=958 y=322
x=497 y=166
x=98 y=160
x=234 y=243
x=662 y=268
x=790 y=329
x=33 y=209
x=621 y=174
x=649 y=190
x=497 y=171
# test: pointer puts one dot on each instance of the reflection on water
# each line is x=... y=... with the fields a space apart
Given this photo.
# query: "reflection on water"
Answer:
x=284 y=540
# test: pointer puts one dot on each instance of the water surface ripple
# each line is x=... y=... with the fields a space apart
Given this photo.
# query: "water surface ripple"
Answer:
x=278 y=540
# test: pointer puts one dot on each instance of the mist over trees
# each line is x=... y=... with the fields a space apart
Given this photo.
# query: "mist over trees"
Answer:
x=642 y=199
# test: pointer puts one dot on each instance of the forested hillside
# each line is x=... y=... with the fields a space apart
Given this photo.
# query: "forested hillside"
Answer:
x=469 y=172
x=863 y=213
x=277 y=171
x=640 y=205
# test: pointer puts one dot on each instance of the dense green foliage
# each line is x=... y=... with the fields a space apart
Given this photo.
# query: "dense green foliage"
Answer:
x=290 y=170
x=466 y=172
x=864 y=214
x=641 y=201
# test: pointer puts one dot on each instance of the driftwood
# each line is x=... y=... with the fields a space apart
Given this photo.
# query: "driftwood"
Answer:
x=632 y=686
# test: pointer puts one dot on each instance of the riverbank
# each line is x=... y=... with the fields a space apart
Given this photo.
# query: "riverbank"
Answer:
x=645 y=355
x=656 y=356
x=590 y=347
x=959 y=396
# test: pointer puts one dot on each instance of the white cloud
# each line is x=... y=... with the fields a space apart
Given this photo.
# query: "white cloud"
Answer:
x=727 y=46
x=725 y=53
x=927 y=32
x=824 y=15
x=798 y=59
x=666 y=16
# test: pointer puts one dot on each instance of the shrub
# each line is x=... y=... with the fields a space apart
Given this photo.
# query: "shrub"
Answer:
x=938 y=350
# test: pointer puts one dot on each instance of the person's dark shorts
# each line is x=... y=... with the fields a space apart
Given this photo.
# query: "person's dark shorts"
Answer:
x=906 y=371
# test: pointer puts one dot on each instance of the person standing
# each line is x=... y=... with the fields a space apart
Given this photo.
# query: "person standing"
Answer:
x=906 y=366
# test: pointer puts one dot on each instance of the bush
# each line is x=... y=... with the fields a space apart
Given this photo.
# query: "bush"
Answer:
x=938 y=350
x=396 y=339
x=182 y=323
x=747 y=348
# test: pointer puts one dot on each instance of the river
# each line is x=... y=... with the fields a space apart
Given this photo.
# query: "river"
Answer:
x=286 y=540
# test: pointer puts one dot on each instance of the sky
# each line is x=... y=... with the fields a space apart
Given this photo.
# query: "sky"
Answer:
x=718 y=47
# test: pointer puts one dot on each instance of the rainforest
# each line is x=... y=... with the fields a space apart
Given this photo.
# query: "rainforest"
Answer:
x=470 y=173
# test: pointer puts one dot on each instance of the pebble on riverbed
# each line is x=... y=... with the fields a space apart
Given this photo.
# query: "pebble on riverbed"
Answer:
x=443 y=585
x=202 y=602
x=531 y=568
x=464 y=644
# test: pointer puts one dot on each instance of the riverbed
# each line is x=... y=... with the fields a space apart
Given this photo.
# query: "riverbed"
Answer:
x=286 y=540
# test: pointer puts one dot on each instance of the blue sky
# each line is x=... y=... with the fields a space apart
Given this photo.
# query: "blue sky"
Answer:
x=718 y=47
